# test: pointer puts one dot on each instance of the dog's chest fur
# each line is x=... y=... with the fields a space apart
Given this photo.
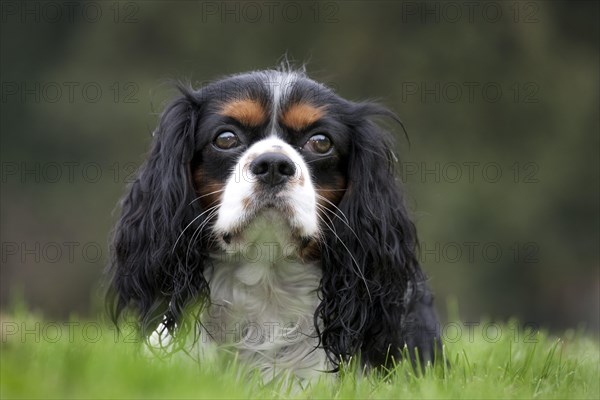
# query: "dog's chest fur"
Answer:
x=263 y=302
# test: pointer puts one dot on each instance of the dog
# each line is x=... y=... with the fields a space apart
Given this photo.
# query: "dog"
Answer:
x=269 y=205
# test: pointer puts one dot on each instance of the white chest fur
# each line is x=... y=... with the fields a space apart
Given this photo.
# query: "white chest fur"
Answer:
x=263 y=302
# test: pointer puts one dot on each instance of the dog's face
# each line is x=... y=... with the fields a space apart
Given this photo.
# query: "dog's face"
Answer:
x=267 y=144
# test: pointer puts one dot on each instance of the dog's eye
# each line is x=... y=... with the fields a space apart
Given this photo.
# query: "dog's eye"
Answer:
x=227 y=140
x=319 y=144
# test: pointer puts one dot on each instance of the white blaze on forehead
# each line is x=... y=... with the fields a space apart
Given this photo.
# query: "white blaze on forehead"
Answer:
x=280 y=85
x=298 y=195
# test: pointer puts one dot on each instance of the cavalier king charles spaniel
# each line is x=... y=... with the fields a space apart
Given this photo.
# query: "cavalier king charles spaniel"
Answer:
x=268 y=210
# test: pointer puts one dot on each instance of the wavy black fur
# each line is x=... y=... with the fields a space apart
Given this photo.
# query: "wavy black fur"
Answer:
x=374 y=296
x=152 y=272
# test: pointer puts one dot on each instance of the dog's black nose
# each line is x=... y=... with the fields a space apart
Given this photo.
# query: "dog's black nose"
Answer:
x=273 y=168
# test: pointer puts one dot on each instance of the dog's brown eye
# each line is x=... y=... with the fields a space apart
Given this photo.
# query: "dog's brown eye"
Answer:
x=318 y=144
x=227 y=140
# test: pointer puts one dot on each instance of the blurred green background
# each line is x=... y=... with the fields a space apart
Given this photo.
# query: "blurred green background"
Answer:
x=500 y=100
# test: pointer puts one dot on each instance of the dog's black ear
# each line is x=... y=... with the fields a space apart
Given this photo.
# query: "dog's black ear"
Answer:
x=155 y=269
x=374 y=297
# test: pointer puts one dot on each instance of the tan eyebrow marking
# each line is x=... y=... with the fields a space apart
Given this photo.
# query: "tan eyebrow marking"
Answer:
x=301 y=115
x=247 y=111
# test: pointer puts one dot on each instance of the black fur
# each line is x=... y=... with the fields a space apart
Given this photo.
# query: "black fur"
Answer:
x=150 y=272
x=375 y=299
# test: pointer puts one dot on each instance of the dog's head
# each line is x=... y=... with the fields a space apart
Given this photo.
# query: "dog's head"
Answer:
x=277 y=147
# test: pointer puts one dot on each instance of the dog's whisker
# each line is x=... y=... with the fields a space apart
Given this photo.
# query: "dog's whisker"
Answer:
x=357 y=270
x=199 y=230
x=320 y=159
x=207 y=194
x=345 y=222
x=188 y=225
x=334 y=206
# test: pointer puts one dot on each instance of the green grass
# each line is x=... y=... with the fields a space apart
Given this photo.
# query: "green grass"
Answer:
x=85 y=363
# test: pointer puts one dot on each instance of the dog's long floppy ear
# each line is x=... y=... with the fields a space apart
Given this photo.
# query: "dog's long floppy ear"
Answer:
x=155 y=268
x=374 y=297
